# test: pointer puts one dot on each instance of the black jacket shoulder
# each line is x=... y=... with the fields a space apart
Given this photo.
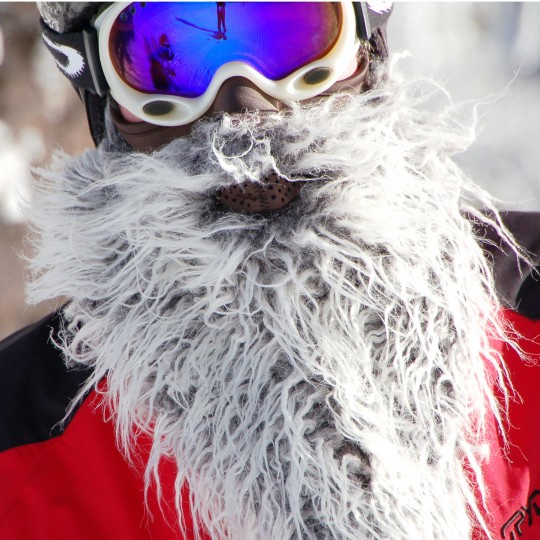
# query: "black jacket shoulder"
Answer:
x=36 y=387
x=517 y=284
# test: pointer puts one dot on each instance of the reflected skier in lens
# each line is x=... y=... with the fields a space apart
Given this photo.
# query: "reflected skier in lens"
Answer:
x=160 y=56
x=222 y=28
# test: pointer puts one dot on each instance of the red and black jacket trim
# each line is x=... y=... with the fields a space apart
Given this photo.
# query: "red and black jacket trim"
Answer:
x=36 y=387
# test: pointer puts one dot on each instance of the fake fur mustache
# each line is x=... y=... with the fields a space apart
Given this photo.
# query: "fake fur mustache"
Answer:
x=320 y=373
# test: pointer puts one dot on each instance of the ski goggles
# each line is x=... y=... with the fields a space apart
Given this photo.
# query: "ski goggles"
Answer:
x=165 y=61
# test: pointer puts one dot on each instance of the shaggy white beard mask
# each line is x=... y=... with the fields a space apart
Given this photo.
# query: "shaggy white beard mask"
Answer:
x=320 y=373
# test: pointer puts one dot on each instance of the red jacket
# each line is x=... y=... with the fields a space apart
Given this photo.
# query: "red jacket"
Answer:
x=513 y=473
x=75 y=485
x=72 y=483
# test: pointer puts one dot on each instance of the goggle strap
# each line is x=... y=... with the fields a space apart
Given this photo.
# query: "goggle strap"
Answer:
x=95 y=107
x=369 y=20
x=378 y=19
x=91 y=44
x=76 y=54
x=363 y=26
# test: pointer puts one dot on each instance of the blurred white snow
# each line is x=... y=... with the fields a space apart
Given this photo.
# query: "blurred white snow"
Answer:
x=14 y=174
x=485 y=51
x=37 y=107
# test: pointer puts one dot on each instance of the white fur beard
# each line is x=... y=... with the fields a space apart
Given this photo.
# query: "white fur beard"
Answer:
x=320 y=373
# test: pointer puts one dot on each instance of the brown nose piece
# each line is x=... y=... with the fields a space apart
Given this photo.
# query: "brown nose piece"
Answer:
x=238 y=94
x=272 y=193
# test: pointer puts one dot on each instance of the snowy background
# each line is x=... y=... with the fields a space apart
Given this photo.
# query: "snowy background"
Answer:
x=479 y=51
x=487 y=52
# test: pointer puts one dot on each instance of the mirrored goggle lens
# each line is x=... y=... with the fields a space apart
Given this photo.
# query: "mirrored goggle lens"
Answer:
x=176 y=48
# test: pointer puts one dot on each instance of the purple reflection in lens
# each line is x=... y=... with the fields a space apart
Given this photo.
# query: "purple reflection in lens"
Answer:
x=176 y=48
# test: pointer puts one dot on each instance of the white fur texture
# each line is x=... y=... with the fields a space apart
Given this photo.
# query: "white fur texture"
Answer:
x=320 y=373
